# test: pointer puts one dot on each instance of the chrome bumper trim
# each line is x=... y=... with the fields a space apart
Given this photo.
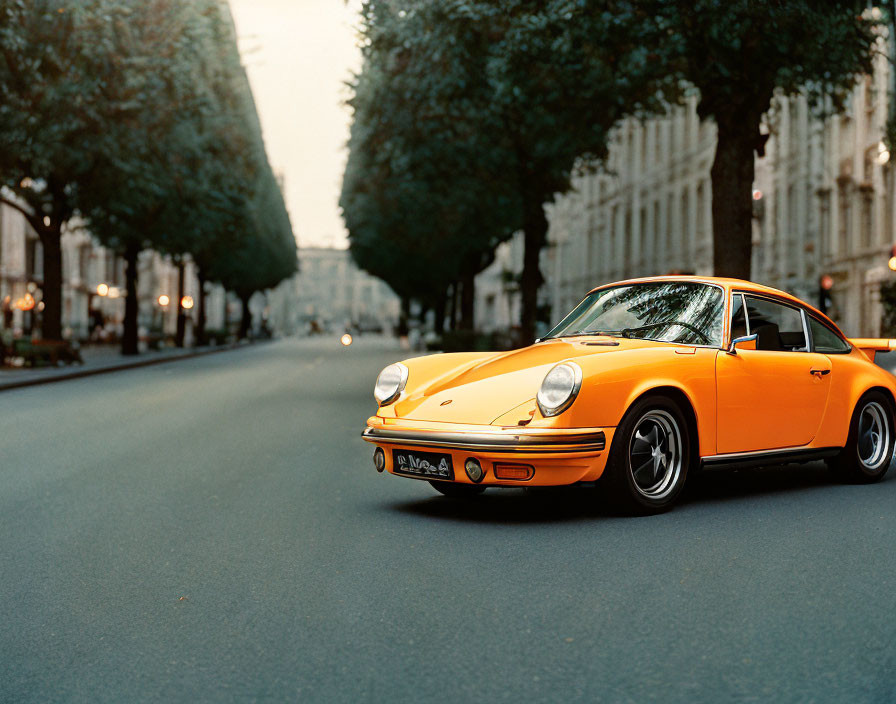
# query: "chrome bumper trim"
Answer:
x=491 y=442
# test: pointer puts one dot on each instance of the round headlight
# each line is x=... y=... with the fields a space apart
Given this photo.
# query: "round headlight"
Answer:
x=390 y=383
x=559 y=389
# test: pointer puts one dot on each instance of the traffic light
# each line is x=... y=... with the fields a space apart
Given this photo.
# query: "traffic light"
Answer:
x=825 y=284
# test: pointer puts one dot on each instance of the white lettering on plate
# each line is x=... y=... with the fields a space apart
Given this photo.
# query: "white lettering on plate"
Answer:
x=417 y=465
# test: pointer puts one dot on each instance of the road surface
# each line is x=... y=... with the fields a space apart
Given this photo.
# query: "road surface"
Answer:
x=213 y=530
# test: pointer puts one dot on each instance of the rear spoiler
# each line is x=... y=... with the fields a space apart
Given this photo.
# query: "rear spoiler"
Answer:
x=871 y=346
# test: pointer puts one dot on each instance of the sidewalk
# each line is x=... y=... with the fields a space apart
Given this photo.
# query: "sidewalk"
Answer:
x=99 y=359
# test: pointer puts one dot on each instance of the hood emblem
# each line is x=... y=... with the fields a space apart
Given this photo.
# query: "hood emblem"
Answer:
x=445 y=403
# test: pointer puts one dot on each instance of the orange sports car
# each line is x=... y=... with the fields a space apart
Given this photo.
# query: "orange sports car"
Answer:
x=642 y=384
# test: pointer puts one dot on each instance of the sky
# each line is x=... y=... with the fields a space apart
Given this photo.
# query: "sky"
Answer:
x=299 y=55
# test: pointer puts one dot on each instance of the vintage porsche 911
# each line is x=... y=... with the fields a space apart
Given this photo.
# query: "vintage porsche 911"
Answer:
x=641 y=384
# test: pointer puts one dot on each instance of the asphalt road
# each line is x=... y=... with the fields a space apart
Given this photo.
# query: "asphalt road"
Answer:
x=213 y=530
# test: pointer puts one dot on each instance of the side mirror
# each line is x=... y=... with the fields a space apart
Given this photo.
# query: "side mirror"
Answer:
x=743 y=343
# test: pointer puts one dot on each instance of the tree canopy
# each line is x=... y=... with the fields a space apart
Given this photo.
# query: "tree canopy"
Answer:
x=137 y=116
x=525 y=92
x=494 y=97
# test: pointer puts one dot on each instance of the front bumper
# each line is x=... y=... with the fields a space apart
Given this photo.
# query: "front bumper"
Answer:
x=559 y=456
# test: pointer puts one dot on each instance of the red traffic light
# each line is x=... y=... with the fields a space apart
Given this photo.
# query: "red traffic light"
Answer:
x=826 y=282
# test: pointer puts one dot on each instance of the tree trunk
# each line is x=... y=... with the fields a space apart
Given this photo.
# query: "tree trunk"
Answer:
x=181 y=332
x=453 y=314
x=441 y=305
x=129 y=341
x=732 y=197
x=404 y=315
x=51 y=241
x=200 y=310
x=535 y=230
x=225 y=314
x=246 y=320
x=467 y=301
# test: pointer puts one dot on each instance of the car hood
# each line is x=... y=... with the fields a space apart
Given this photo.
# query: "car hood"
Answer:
x=490 y=390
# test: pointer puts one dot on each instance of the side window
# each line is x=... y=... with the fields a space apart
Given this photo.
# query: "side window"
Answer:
x=777 y=327
x=825 y=340
x=738 y=318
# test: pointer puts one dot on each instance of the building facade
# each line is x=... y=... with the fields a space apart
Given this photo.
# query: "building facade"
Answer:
x=823 y=205
x=93 y=286
x=333 y=293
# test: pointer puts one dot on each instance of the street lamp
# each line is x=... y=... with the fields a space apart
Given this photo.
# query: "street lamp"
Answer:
x=102 y=290
x=186 y=302
x=164 y=300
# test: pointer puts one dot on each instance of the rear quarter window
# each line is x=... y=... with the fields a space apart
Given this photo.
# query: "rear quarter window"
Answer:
x=825 y=340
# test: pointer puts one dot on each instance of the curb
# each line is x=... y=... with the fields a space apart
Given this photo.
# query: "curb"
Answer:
x=136 y=364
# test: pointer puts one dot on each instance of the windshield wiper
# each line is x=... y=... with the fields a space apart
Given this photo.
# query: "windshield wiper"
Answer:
x=587 y=333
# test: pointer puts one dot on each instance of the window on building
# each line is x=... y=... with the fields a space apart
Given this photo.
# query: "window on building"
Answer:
x=687 y=235
x=843 y=217
x=824 y=219
x=672 y=253
x=701 y=211
x=658 y=151
x=870 y=95
x=643 y=254
x=645 y=154
x=83 y=262
x=611 y=236
x=888 y=205
x=34 y=259
x=866 y=226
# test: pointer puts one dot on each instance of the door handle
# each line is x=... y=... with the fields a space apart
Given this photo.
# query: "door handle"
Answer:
x=820 y=372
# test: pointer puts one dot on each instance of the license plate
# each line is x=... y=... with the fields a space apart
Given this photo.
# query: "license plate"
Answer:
x=422 y=464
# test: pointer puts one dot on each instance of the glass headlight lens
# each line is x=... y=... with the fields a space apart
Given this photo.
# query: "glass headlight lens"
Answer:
x=559 y=389
x=390 y=383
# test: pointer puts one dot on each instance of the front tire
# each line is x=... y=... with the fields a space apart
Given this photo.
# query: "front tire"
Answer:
x=457 y=491
x=869 y=446
x=650 y=457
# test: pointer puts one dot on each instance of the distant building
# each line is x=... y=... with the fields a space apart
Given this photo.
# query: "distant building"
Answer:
x=825 y=194
x=332 y=291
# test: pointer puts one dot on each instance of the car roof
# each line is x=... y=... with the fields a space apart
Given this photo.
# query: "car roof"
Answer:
x=728 y=285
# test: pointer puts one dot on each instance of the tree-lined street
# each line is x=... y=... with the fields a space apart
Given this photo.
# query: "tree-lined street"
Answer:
x=213 y=530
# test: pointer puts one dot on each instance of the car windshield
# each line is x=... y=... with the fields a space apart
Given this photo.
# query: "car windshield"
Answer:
x=673 y=311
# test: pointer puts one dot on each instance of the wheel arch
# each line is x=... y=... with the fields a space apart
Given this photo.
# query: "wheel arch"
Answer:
x=684 y=403
x=888 y=393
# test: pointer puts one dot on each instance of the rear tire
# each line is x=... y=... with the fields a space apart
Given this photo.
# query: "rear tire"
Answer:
x=457 y=491
x=869 y=447
x=650 y=457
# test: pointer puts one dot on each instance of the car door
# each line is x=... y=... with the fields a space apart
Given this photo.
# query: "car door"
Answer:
x=773 y=396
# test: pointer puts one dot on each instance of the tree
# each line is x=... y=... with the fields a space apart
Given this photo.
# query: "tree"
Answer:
x=134 y=196
x=53 y=110
x=538 y=90
x=181 y=173
x=419 y=196
x=738 y=54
